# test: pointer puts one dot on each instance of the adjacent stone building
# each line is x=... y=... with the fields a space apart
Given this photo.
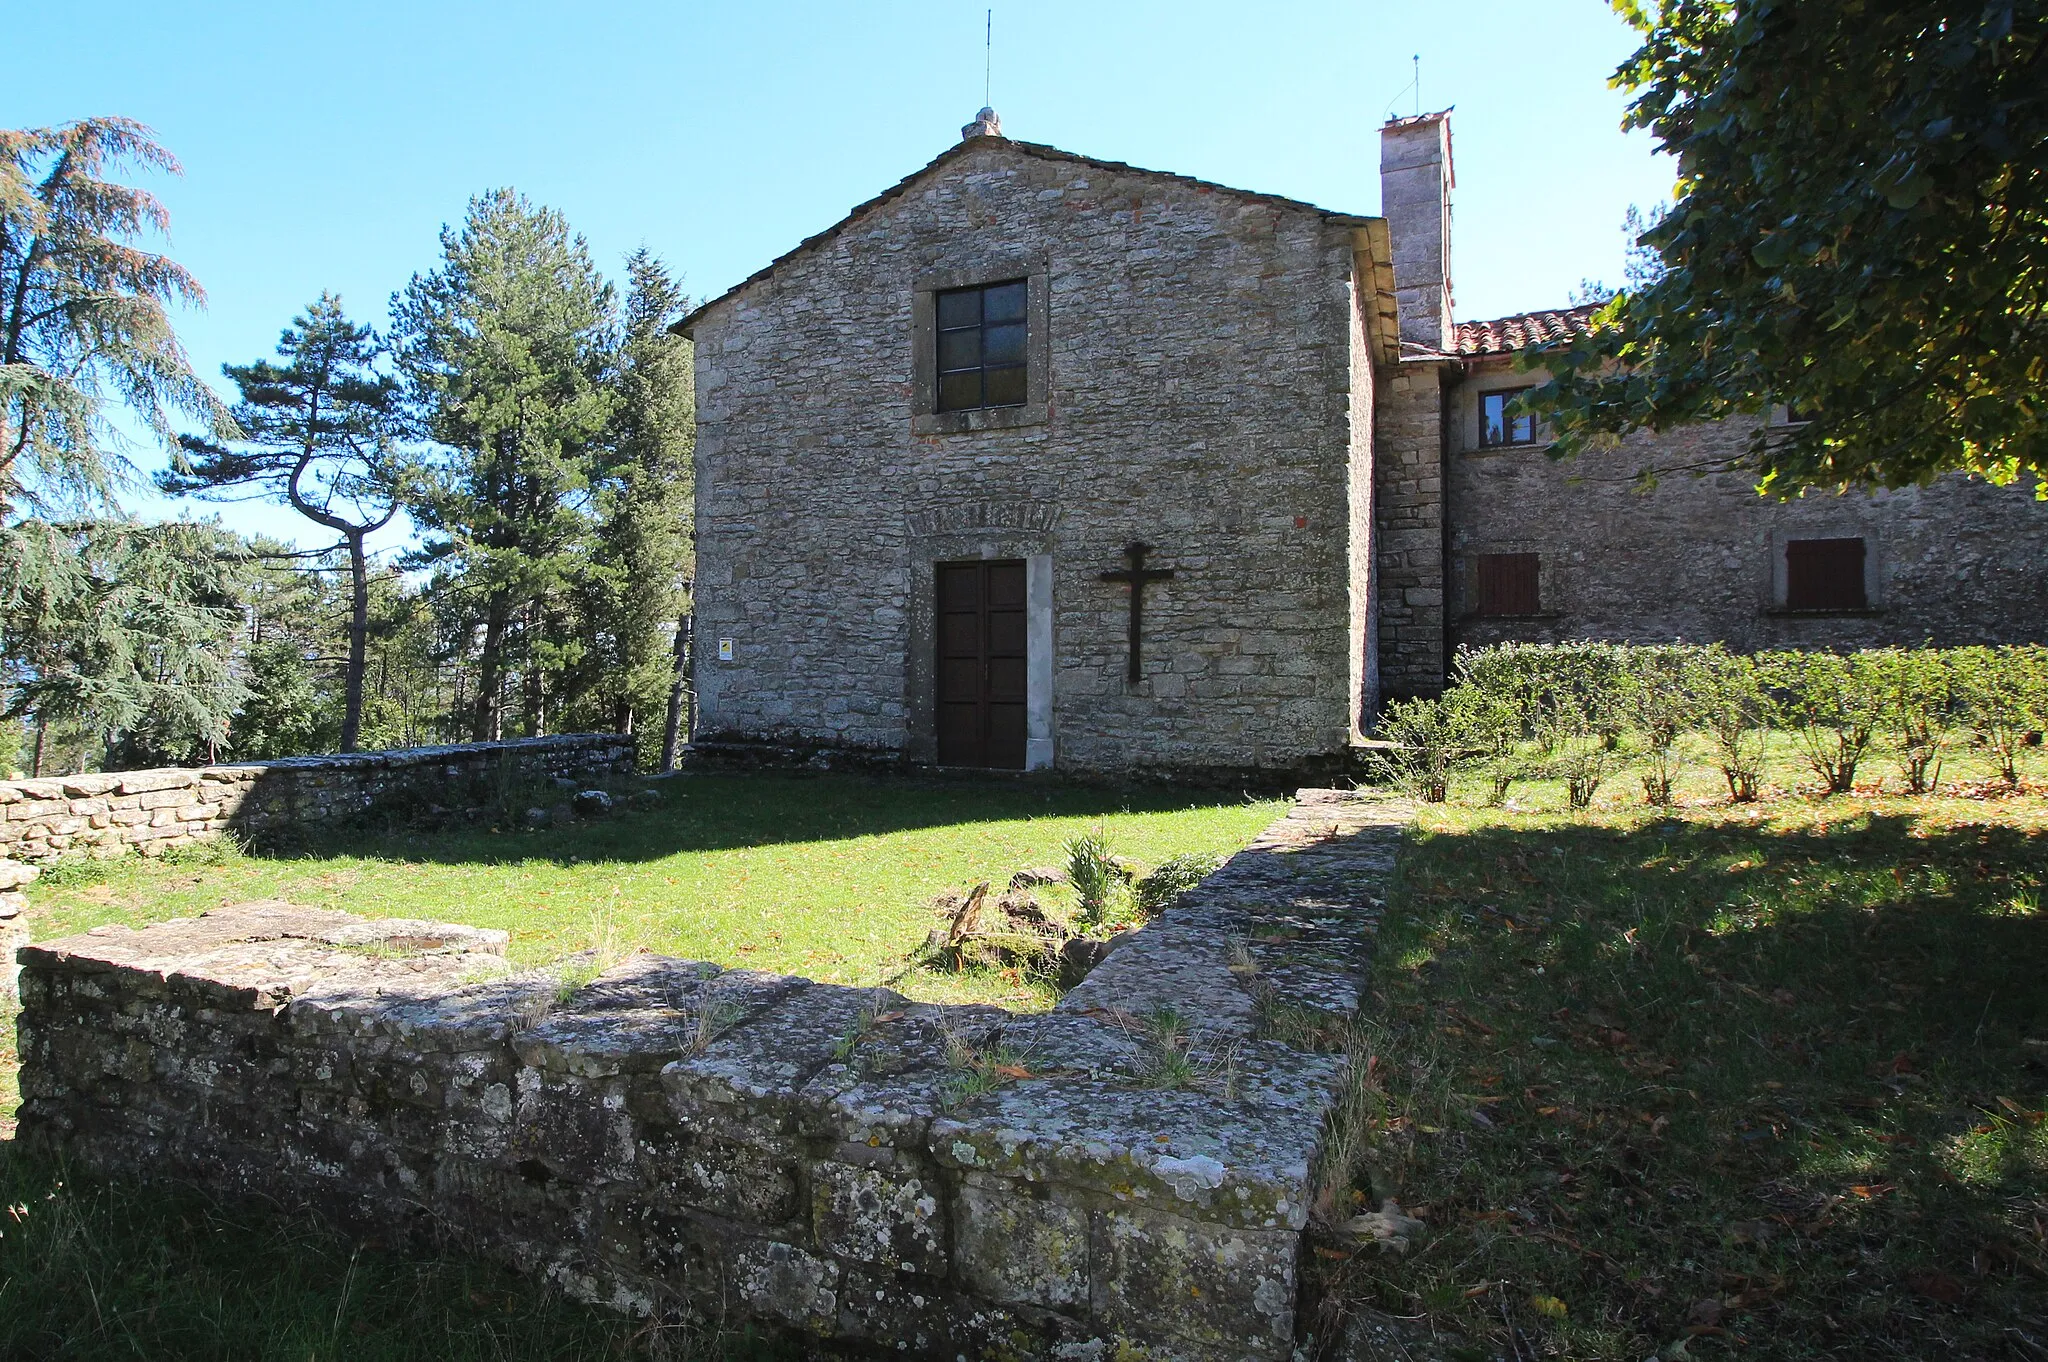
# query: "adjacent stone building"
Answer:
x=1036 y=460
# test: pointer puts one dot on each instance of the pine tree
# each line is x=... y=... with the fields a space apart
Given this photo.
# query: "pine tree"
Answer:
x=643 y=555
x=319 y=434
x=507 y=352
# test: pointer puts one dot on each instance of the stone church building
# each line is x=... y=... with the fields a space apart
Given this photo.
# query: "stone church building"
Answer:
x=1036 y=460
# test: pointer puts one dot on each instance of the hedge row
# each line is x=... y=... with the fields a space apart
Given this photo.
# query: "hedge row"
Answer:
x=1581 y=712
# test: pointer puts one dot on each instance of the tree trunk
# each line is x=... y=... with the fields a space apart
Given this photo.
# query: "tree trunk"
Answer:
x=358 y=642
x=671 y=740
x=490 y=670
x=534 y=682
x=42 y=731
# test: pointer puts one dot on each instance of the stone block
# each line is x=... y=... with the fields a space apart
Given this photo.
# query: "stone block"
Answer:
x=890 y=1218
x=785 y=1031
x=778 y=1281
x=151 y=782
x=1017 y=1242
x=755 y=1179
x=1216 y=1286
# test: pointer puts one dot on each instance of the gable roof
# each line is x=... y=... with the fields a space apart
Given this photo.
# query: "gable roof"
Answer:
x=1506 y=335
x=1045 y=153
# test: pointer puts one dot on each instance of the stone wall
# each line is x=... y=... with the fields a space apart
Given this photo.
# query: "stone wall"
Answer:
x=1409 y=588
x=151 y=811
x=678 y=1139
x=1200 y=398
x=1702 y=558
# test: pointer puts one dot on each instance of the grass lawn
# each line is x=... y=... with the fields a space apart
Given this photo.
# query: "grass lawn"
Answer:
x=1760 y=1081
x=831 y=877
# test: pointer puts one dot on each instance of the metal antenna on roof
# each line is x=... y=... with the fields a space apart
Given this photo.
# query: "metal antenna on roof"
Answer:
x=1418 y=85
x=988 y=46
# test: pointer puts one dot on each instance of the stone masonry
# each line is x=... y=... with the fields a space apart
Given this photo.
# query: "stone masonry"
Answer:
x=150 y=811
x=1195 y=388
x=679 y=1139
x=1701 y=558
x=1278 y=399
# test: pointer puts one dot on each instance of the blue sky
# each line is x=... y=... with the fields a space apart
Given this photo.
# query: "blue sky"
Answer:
x=325 y=145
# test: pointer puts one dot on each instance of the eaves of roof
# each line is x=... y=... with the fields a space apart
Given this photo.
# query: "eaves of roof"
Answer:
x=1506 y=335
x=902 y=186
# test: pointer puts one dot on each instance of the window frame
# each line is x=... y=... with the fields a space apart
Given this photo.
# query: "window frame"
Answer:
x=1791 y=598
x=980 y=328
x=1036 y=409
x=1479 y=578
x=1507 y=396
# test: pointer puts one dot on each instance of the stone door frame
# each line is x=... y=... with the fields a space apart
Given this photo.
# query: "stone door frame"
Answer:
x=959 y=534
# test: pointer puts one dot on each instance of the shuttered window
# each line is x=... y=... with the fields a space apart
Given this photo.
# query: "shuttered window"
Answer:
x=1824 y=574
x=1508 y=584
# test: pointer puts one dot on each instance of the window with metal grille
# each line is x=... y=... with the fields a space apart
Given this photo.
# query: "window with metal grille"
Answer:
x=1498 y=427
x=1824 y=574
x=981 y=346
x=1507 y=584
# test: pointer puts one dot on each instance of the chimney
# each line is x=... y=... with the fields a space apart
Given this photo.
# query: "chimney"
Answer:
x=1415 y=199
x=985 y=124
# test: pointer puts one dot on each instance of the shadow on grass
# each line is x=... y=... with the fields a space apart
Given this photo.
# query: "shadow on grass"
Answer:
x=94 y=1269
x=715 y=812
x=1770 y=1086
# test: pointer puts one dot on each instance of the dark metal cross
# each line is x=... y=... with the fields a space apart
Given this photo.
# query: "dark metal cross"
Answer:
x=1136 y=576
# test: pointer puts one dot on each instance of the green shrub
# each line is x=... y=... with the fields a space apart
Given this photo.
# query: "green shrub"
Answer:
x=1921 y=712
x=1738 y=714
x=1662 y=696
x=1578 y=712
x=1432 y=738
x=2004 y=694
x=1834 y=704
x=1154 y=893
x=1101 y=882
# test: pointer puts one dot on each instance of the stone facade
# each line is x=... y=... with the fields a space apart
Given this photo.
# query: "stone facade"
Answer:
x=828 y=491
x=678 y=1139
x=1277 y=399
x=1701 y=558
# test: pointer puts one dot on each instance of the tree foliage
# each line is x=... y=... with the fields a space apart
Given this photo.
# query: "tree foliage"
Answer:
x=507 y=350
x=318 y=433
x=641 y=556
x=124 y=629
x=84 y=320
x=1860 y=231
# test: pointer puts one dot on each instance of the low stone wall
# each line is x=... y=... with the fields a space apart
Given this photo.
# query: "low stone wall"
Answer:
x=677 y=1138
x=107 y=815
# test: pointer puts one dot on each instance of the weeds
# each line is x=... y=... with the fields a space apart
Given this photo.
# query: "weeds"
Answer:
x=978 y=1065
x=1782 y=1075
x=1100 y=880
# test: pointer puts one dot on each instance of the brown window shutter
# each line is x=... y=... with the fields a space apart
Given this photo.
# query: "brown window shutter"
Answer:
x=1508 y=584
x=1824 y=574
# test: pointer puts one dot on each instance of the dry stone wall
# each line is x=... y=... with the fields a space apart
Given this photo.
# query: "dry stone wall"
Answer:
x=676 y=1138
x=151 y=811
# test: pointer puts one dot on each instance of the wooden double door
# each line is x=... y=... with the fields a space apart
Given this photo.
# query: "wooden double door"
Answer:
x=981 y=664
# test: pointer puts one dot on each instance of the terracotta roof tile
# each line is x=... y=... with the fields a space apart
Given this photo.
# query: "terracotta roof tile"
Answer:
x=1505 y=335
